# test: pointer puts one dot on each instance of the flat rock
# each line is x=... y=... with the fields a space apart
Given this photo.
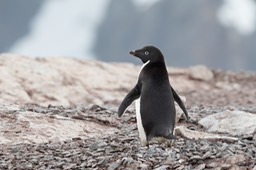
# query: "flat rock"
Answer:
x=201 y=72
x=192 y=134
x=200 y=167
x=235 y=123
x=31 y=127
x=70 y=81
x=62 y=80
x=236 y=159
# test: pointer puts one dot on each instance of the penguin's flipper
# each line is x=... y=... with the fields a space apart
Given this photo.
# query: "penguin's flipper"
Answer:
x=131 y=96
x=180 y=103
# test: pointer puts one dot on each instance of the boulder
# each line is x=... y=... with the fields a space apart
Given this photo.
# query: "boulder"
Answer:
x=63 y=81
x=201 y=72
x=70 y=81
x=235 y=123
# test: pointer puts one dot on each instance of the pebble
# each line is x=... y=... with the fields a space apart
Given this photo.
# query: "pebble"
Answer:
x=207 y=155
x=162 y=167
x=144 y=166
x=213 y=165
x=124 y=151
x=196 y=157
x=181 y=167
x=236 y=159
x=114 y=165
x=225 y=166
x=200 y=167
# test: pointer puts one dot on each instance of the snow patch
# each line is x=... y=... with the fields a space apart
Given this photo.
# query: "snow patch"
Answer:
x=144 y=4
x=63 y=28
x=238 y=14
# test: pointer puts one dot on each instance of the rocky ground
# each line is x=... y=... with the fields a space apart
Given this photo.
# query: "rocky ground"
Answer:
x=122 y=149
x=59 y=113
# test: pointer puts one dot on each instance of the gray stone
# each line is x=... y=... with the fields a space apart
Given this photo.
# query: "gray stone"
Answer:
x=144 y=166
x=114 y=165
x=56 y=80
x=201 y=72
x=192 y=134
x=213 y=165
x=33 y=127
x=236 y=159
x=235 y=123
x=196 y=157
x=207 y=155
x=225 y=166
x=162 y=167
x=200 y=167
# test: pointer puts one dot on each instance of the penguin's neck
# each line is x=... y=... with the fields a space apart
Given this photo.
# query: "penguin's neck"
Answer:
x=144 y=65
x=156 y=68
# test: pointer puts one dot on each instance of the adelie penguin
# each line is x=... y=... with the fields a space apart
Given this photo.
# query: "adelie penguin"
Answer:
x=155 y=109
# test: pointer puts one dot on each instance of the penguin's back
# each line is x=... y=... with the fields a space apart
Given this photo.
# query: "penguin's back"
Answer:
x=157 y=107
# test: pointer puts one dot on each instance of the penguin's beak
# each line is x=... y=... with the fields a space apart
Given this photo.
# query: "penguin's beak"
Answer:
x=133 y=53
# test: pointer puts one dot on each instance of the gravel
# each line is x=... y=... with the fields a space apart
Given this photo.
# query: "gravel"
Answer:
x=123 y=150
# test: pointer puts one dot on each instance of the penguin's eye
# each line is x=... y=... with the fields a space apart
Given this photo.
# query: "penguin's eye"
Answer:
x=146 y=53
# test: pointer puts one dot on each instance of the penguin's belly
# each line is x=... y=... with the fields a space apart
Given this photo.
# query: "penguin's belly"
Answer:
x=141 y=130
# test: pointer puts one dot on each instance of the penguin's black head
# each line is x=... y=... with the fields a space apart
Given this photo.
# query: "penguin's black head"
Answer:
x=148 y=53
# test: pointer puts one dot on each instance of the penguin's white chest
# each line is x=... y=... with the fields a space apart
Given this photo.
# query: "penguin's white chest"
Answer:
x=141 y=130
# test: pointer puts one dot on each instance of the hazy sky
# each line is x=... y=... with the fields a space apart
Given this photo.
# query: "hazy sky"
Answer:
x=68 y=28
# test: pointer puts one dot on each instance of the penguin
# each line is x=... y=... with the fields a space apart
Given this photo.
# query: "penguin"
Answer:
x=155 y=108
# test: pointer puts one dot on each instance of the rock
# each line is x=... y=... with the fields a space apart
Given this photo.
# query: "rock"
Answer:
x=213 y=165
x=162 y=167
x=207 y=155
x=22 y=126
x=236 y=159
x=227 y=86
x=114 y=166
x=69 y=81
x=93 y=146
x=62 y=80
x=225 y=166
x=200 y=167
x=144 y=166
x=235 y=123
x=196 y=157
x=201 y=72
x=89 y=135
x=192 y=134
x=181 y=167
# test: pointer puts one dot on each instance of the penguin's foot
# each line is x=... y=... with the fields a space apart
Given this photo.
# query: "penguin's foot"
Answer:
x=171 y=143
x=169 y=140
x=171 y=137
x=193 y=121
x=145 y=143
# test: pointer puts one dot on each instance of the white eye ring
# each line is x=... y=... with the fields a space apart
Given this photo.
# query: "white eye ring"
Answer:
x=146 y=53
